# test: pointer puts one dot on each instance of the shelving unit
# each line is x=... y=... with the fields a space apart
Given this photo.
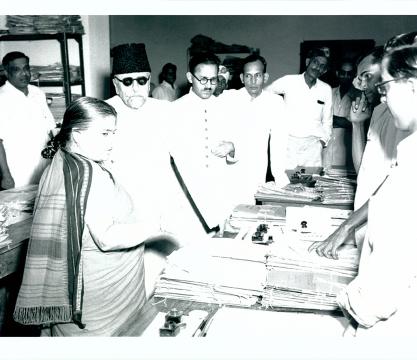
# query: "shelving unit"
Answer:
x=62 y=38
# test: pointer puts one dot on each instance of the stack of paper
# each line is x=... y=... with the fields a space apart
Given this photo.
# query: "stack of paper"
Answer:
x=235 y=272
x=336 y=190
x=301 y=279
x=54 y=72
x=44 y=24
x=288 y=193
x=15 y=205
x=245 y=216
x=221 y=271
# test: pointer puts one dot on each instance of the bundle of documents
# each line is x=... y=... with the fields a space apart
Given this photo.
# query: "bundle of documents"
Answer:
x=244 y=215
x=15 y=205
x=336 y=190
x=235 y=272
x=288 y=193
x=300 y=279
x=44 y=24
x=54 y=72
x=220 y=271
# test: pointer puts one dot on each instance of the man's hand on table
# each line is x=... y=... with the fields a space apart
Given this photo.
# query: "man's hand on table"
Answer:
x=328 y=248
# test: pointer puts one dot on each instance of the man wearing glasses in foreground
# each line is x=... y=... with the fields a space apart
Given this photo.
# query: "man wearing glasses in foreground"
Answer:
x=201 y=148
x=374 y=155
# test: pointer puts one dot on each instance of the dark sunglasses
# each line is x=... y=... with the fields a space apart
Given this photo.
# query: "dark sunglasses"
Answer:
x=142 y=80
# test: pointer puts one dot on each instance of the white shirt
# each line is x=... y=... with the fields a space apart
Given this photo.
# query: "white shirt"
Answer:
x=25 y=124
x=200 y=125
x=386 y=286
x=140 y=159
x=254 y=120
x=379 y=155
x=341 y=105
x=309 y=110
x=165 y=91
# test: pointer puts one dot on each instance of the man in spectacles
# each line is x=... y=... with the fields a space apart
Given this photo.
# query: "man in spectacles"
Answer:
x=373 y=154
x=309 y=116
x=201 y=147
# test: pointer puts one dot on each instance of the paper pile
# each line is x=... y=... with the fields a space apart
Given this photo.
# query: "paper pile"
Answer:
x=44 y=24
x=300 y=279
x=220 y=271
x=15 y=205
x=236 y=272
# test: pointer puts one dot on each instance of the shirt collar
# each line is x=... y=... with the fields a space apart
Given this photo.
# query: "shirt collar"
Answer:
x=11 y=89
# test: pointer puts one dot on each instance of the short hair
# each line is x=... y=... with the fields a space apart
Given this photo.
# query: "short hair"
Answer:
x=9 y=57
x=401 y=62
x=316 y=52
x=203 y=58
x=400 y=40
x=253 y=58
x=168 y=66
x=377 y=53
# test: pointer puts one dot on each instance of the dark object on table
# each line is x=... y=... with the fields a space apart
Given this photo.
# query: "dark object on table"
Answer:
x=172 y=323
x=259 y=236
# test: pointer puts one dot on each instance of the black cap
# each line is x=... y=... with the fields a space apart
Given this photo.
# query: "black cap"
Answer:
x=130 y=58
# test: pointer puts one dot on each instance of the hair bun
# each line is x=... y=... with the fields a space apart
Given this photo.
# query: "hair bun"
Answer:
x=51 y=148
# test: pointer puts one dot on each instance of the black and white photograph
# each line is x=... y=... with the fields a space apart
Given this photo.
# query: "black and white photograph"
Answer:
x=239 y=172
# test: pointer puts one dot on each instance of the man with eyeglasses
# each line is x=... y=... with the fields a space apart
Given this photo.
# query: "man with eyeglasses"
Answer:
x=257 y=115
x=201 y=148
x=309 y=110
x=373 y=155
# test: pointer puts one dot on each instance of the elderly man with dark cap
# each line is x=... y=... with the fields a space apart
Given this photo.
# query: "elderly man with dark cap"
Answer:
x=139 y=155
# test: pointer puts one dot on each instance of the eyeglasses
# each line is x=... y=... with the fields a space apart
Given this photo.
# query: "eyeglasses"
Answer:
x=381 y=86
x=142 y=80
x=204 y=80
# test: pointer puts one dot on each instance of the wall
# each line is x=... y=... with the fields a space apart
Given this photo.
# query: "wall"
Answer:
x=167 y=37
x=96 y=45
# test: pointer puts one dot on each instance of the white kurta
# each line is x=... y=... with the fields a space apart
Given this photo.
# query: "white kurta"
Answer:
x=382 y=297
x=25 y=124
x=310 y=118
x=379 y=155
x=199 y=126
x=164 y=91
x=309 y=109
x=253 y=121
x=141 y=164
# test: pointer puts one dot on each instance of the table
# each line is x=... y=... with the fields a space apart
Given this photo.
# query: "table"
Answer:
x=12 y=260
x=13 y=254
x=138 y=324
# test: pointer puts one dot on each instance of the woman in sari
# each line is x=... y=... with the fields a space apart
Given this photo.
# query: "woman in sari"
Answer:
x=84 y=272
